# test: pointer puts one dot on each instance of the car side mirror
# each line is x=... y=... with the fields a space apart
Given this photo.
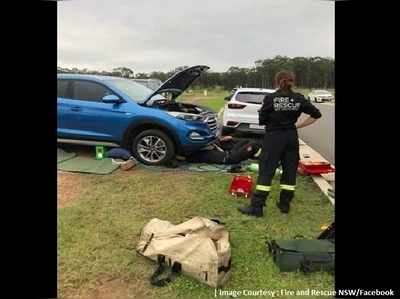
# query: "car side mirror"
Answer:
x=227 y=98
x=111 y=98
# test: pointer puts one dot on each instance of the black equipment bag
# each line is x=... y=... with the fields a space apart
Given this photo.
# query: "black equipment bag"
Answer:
x=305 y=255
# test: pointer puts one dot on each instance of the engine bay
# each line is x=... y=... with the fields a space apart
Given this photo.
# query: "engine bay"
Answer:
x=173 y=106
x=187 y=112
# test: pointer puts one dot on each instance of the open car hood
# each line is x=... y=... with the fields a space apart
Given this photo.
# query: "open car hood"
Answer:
x=179 y=82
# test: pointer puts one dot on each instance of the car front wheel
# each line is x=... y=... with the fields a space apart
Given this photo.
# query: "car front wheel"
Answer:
x=153 y=147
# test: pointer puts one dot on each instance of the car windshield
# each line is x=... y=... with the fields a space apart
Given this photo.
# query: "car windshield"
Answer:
x=321 y=92
x=150 y=83
x=251 y=97
x=137 y=92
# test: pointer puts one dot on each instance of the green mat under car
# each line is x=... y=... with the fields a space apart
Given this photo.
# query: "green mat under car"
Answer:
x=63 y=155
x=87 y=165
x=69 y=161
x=196 y=167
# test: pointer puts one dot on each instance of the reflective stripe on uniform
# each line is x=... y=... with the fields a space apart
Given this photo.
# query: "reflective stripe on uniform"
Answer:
x=288 y=187
x=263 y=188
x=258 y=153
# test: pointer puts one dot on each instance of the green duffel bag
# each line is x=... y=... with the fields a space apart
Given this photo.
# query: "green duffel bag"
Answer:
x=305 y=255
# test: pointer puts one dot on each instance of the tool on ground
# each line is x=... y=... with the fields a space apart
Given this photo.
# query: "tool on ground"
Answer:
x=198 y=248
x=241 y=186
x=100 y=152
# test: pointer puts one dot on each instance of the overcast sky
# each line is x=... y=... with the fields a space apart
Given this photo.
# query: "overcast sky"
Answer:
x=159 y=35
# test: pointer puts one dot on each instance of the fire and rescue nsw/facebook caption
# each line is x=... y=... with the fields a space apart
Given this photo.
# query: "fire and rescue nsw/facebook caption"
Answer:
x=273 y=293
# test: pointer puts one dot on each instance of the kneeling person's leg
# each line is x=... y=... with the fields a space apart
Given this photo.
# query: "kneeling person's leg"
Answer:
x=207 y=156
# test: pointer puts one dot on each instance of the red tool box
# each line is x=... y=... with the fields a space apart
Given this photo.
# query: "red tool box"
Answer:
x=315 y=168
x=241 y=185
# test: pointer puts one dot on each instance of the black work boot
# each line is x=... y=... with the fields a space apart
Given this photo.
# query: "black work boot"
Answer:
x=283 y=205
x=252 y=211
x=257 y=203
x=285 y=198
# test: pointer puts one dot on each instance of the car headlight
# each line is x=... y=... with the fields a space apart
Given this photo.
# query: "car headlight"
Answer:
x=189 y=117
x=195 y=136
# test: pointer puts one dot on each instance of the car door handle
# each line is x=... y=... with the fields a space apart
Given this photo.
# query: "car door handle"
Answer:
x=76 y=108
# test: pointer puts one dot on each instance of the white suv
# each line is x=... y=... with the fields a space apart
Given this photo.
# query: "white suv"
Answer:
x=320 y=96
x=240 y=113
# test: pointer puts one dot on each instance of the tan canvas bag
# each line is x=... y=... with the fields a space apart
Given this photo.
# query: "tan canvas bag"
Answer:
x=198 y=248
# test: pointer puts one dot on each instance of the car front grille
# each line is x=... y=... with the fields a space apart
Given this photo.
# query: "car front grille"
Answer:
x=211 y=120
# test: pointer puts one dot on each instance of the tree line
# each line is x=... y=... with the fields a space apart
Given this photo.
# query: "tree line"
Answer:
x=310 y=72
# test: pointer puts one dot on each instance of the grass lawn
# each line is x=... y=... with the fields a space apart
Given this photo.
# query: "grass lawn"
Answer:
x=100 y=218
x=214 y=99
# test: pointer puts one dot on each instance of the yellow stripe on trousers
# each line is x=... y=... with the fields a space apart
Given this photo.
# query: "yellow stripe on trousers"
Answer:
x=263 y=188
x=288 y=187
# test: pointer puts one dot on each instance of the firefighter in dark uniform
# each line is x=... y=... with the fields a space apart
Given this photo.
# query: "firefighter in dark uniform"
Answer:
x=279 y=114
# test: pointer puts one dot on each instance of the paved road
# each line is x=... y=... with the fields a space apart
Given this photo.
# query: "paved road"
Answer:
x=321 y=135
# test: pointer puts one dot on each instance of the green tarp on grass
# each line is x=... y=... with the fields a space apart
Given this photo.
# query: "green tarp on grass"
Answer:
x=87 y=165
x=69 y=161
x=197 y=167
x=63 y=155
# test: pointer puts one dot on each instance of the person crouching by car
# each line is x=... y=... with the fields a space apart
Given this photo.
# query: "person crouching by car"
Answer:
x=226 y=150
x=279 y=113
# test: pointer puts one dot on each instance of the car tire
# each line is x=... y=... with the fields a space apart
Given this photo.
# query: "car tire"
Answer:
x=153 y=147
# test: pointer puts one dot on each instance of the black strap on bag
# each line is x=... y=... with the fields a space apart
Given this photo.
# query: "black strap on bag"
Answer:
x=147 y=243
x=225 y=269
x=217 y=221
x=273 y=248
x=162 y=282
x=310 y=262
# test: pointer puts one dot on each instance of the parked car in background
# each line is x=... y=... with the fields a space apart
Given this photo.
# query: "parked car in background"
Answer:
x=112 y=111
x=320 y=96
x=240 y=113
x=149 y=83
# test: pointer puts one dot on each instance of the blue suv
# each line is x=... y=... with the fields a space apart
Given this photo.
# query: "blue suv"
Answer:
x=112 y=111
